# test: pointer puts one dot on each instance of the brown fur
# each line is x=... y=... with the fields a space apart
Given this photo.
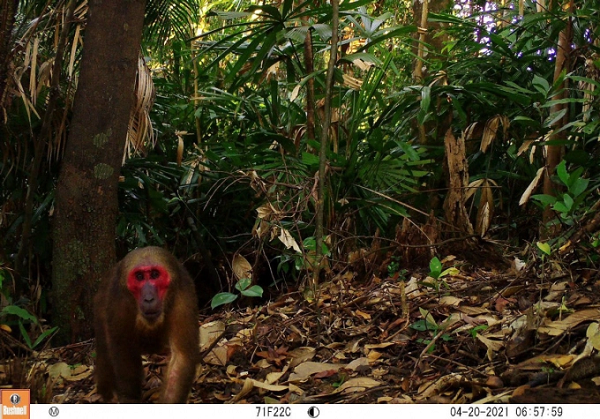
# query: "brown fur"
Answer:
x=123 y=335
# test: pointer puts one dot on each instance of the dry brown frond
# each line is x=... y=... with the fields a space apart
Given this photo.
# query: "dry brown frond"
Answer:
x=140 y=125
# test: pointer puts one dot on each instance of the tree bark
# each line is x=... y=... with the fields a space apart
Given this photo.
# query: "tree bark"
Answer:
x=458 y=179
x=554 y=153
x=7 y=20
x=86 y=195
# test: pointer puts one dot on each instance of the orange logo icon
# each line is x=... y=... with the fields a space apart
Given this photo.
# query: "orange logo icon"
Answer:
x=15 y=404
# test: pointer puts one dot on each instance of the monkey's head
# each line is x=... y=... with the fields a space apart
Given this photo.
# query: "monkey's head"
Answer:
x=149 y=274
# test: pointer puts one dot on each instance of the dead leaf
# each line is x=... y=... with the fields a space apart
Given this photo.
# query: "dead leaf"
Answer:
x=288 y=241
x=209 y=332
x=274 y=355
x=379 y=345
x=241 y=267
x=295 y=92
x=325 y=374
x=492 y=345
x=449 y=300
x=65 y=371
x=373 y=355
x=218 y=356
x=246 y=389
x=429 y=389
x=501 y=303
x=356 y=385
x=359 y=362
x=270 y=387
x=534 y=183
x=593 y=335
x=558 y=327
x=300 y=355
x=489 y=132
x=494 y=382
x=306 y=369
x=362 y=314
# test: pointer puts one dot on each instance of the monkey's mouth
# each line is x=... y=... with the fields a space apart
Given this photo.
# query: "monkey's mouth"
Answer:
x=152 y=315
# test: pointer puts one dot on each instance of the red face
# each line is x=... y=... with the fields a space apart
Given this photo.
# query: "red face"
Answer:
x=148 y=284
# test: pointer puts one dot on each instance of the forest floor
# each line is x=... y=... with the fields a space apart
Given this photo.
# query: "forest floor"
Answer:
x=471 y=335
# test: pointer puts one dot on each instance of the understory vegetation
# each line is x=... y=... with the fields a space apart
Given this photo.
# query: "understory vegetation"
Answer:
x=468 y=129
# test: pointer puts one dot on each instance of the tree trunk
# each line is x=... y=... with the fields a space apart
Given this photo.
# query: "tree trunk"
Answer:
x=555 y=152
x=455 y=212
x=7 y=20
x=427 y=48
x=429 y=42
x=86 y=194
x=310 y=87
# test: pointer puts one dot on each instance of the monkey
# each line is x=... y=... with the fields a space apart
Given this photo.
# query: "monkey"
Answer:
x=147 y=305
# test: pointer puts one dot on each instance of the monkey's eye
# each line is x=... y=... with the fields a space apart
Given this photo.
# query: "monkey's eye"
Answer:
x=139 y=276
x=154 y=274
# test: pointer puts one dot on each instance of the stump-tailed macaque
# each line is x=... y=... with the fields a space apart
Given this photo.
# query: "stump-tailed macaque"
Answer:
x=147 y=305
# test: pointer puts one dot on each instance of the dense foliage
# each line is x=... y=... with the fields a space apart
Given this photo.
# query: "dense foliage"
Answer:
x=233 y=166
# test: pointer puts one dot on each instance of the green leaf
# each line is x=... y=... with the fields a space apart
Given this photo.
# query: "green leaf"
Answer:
x=20 y=312
x=222 y=298
x=423 y=326
x=579 y=186
x=310 y=159
x=524 y=119
x=323 y=30
x=568 y=201
x=26 y=337
x=394 y=32
x=561 y=171
x=574 y=176
x=413 y=155
x=435 y=267
x=554 y=117
x=253 y=291
x=544 y=247
x=44 y=336
x=420 y=325
x=297 y=34
x=425 y=98
x=242 y=284
x=560 y=207
x=366 y=57
x=310 y=244
x=580 y=157
x=541 y=85
x=230 y=15
x=544 y=199
x=450 y=271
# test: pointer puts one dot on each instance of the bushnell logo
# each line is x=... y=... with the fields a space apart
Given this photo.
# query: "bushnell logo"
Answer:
x=15 y=399
x=15 y=404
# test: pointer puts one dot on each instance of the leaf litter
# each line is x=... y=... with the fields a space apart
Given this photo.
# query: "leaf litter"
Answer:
x=470 y=337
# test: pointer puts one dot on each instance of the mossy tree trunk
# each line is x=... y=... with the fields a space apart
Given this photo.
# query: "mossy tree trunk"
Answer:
x=7 y=20
x=86 y=195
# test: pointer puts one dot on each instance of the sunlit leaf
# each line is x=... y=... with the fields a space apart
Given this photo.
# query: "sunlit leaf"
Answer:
x=544 y=247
